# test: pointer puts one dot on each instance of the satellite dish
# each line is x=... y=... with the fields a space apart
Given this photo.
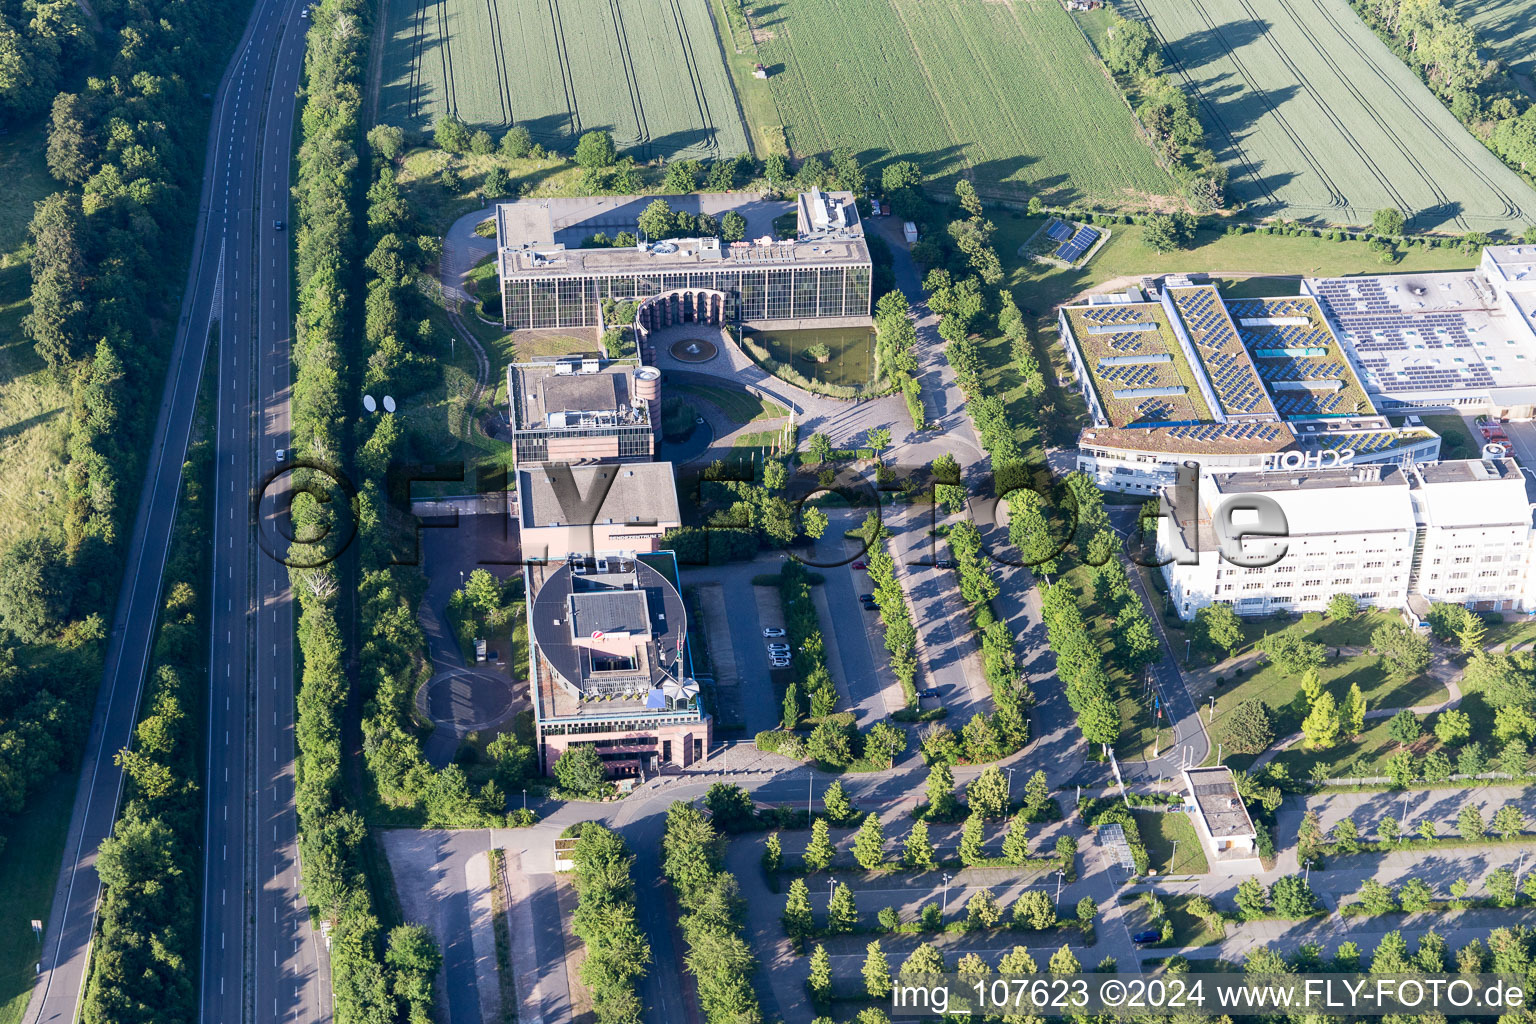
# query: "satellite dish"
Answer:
x=389 y=403
x=369 y=403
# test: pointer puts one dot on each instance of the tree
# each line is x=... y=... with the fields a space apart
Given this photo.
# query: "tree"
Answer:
x=1343 y=606
x=1415 y=895
x=842 y=914
x=877 y=972
x=1387 y=221
x=869 y=843
x=496 y=183
x=971 y=840
x=1037 y=794
x=918 y=849
x=1469 y=823
x=1292 y=897
x=820 y=981
x=451 y=135
x=1218 y=626
x=1405 y=727
x=1087 y=910
x=386 y=140
x=1404 y=652
x=1249 y=727
x=1473 y=633
x=1377 y=898
x=35 y=588
x=1252 y=897
x=798 y=923
x=1016 y=841
x=987 y=795
x=791 y=707
x=1291 y=653
x=579 y=770
x=1501 y=886
x=835 y=802
x=773 y=853
x=516 y=143
x=1389 y=829
x=880 y=438
x=1064 y=962
x=829 y=743
x=1321 y=726
x=1346 y=836
x=1033 y=910
x=733 y=226
x=1169 y=232
x=1452 y=726
x=595 y=150
x=818 y=852
x=1426 y=829
x=656 y=220
x=981 y=910
x=883 y=742
x=481 y=143
x=1354 y=711
x=941 y=790
x=1508 y=821
x=819 y=447
x=900 y=174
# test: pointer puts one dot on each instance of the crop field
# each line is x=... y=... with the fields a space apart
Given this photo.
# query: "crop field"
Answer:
x=1007 y=90
x=1318 y=120
x=649 y=71
x=1507 y=28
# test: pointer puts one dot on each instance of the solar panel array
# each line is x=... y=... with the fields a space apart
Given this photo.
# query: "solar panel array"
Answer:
x=1058 y=230
x=1129 y=344
x=1213 y=432
x=1117 y=314
x=1237 y=389
x=1377 y=325
x=1310 y=345
x=1072 y=250
x=1135 y=375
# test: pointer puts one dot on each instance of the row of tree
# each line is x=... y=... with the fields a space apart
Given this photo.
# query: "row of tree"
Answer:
x=123 y=150
x=900 y=634
x=718 y=957
x=373 y=978
x=617 y=951
x=1080 y=664
x=896 y=351
x=1168 y=113
x=815 y=690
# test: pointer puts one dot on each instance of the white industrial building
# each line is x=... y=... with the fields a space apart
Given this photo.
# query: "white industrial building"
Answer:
x=1394 y=536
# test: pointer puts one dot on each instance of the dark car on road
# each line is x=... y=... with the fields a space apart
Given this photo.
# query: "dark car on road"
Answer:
x=1150 y=935
x=928 y=691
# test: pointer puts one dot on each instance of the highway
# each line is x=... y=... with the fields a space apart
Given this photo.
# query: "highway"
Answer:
x=261 y=960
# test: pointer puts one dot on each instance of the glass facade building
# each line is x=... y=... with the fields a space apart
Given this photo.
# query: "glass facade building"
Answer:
x=753 y=292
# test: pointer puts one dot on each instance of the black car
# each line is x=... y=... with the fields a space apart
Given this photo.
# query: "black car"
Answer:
x=944 y=563
x=1150 y=935
x=928 y=691
x=867 y=598
x=278 y=225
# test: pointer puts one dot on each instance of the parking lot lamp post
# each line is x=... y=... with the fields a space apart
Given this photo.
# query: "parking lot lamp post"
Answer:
x=525 y=799
x=1212 y=716
x=1173 y=858
x=945 y=911
x=1010 y=772
x=810 y=788
x=1307 y=878
x=1060 y=874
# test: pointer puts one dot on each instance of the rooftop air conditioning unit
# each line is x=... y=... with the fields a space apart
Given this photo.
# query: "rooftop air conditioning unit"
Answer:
x=590 y=366
x=602 y=563
x=564 y=369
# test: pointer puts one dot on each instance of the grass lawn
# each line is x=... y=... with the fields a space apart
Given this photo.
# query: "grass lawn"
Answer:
x=29 y=866
x=740 y=407
x=1514 y=634
x=1456 y=441
x=1188 y=930
x=1159 y=832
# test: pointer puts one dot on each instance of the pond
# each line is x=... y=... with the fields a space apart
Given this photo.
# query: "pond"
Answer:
x=851 y=353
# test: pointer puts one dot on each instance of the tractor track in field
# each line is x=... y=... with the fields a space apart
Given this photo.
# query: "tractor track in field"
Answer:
x=1512 y=209
x=562 y=55
x=499 y=59
x=418 y=46
x=1442 y=200
x=711 y=147
x=627 y=60
x=1336 y=199
x=1212 y=117
x=445 y=47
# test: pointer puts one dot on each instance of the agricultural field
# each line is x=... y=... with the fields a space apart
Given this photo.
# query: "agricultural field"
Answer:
x=1008 y=92
x=1507 y=29
x=1319 y=121
x=649 y=71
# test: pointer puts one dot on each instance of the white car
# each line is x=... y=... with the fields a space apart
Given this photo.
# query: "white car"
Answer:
x=779 y=663
x=778 y=648
x=772 y=631
x=282 y=455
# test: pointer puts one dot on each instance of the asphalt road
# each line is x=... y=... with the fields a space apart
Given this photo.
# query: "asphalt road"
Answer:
x=258 y=948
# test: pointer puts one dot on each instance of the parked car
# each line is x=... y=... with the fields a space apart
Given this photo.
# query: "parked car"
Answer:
x=928 y=691
x=866 y=597
x=945 y=563
x=1150 y=935
x=282 y=454
x=779 y=663
x=779 y=648
x=772 y=631
x=861 y=565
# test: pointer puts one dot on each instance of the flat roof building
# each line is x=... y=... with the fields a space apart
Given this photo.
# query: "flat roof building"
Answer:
x=607 y=510
x=549 y=280
x=1220 y=818
x=610 y=665
x=583 y=409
